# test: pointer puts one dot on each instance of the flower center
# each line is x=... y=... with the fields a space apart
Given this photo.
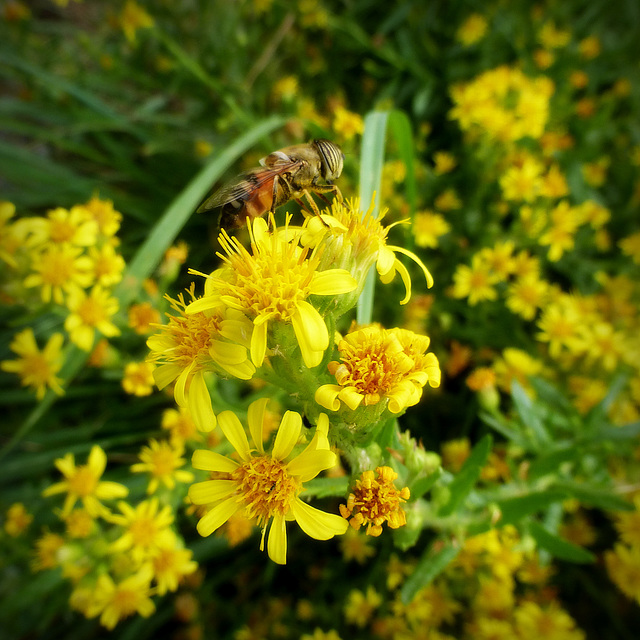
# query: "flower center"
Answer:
x=143 y=532
x=57 y=268
x=83 y=483
x=37 y=368
x=193 y=334
x=91 y=312
x=266 y=488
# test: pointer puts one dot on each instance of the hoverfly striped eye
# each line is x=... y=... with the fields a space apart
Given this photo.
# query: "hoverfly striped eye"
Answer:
x=332 y=158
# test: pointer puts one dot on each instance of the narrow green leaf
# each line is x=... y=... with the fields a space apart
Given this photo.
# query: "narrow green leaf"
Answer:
x=432 y=563
x=402 y=134
x=598 y=415
x=324 y=487
x=546 y=464
x=515 y=509
x=626 y=432
x=464 y=482
x=422 y=485
x=559 y=547
x=501 y=425
x=371 y=161
x=599 y=497
x=529 y=415
x=179 y=211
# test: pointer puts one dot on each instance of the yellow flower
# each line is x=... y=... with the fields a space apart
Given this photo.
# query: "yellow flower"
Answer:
x=138 y=378
x=559 y=326
x=551 y=622
x=107 y=265
x=428 y=227
x=472 y=30
x=522 y=181
x=526 y=295
x=375 y=500
x=347 y=124
x=162 y=461
x=36 y=369
x=360 y=607
x=142 y=316
x=79 y=523
x=46 y=551
x=356 y=241
x=105 y=215
x=170 y=564
x=380 y=366
x=444 y=162
x=474 y=282
x=560 y=235
x=75 y=226
x=17 y=519
x=590 y=47
x=285 y=89
x=448 y=200
x=83 y=483
x=273 y=284
x=146 y=529
x=355 y=546
x=630 y=246
x=132 y=18
x=623 y=566
x=553 y=38
x=215 y=339
x=266 y=486
x=114 y=602
x=90 y=312
x=59 y=270
x=454 y=453
x=517 y=364
x=180 y=425
x=554 y=184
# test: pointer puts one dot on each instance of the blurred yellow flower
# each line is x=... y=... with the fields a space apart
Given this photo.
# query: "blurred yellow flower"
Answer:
x=142 y=317
x=17 y=519
x=162 y=461
x=590 y=47
x=472 y=30
x=36 y=369
x=138 y=379
x=347 y=124
x=428 y=226
x=132 y=18
x=90 y=313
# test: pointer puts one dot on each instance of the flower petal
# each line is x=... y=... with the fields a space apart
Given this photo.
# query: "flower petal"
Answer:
x=234 y=432
x=309 y=464
x=277 y=542
x=255 y=418
x=212 y=461
x=217 y=516
x=332 y=282
x=211 y=491
x=97 y=461
x=259 y=343
x=416 y=259
x=327 y=396
x=199 y=404
x=165 y=374
x=317 y=524
x=287 y=435
x=311 y=332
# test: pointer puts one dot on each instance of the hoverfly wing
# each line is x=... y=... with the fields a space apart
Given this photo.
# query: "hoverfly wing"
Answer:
x=242 y=187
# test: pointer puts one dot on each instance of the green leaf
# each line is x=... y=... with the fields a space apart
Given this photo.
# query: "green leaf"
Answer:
x=402 y=134
x=600 y=497
x=464 y=482
x=501 y=425
x=598 y=415
x=371 y=161
x=515 y=509
x=323 y=487
x=432 y=563
x=180 y=210
x=559 y=547
x=422 y=485
x=529 y=416
x=626 y=432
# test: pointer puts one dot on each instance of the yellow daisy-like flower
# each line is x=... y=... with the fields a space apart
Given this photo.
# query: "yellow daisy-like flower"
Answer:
x=472 y=29
x=17 y=519
x=90 y=312
x=108 y=265
x=75 y=226
x=146 y=529
x=138 y=379
x=355 y=241
x=272 y=284
x=36 y=369
x=265 y=486
x=428 y=226
x=83 y=483
x=105 y=215
x=46 y=551
x=170 y=564
x=379 y=365
x=142 y=317
x=474 y=282
x=375 y=500
x=215 y=339
x=623 y=566
x=347 y=124
x=59 y=270
x=114 y=602
x=162 y=461
x=132 y=18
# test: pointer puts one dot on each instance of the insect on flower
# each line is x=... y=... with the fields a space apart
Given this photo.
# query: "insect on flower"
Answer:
x=286 y=174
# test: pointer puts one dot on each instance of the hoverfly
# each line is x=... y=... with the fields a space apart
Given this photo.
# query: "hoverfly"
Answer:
x=286 y=174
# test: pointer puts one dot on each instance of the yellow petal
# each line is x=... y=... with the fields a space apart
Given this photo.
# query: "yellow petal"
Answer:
x=416 y=259
x=217 y=516
x=311 y=333
x=97 y=461
x=309 y=464
x=165 y=374
x=259 y=343
x=287 y=435
x=234 y=432
x=212 y=461
x=327 y=396
x=332 y=282
x=316 y=523
x=211 y=491
x=255 y=418
x=199 y=404
x=351 y=397
x=277 y=542
x=385 y=261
